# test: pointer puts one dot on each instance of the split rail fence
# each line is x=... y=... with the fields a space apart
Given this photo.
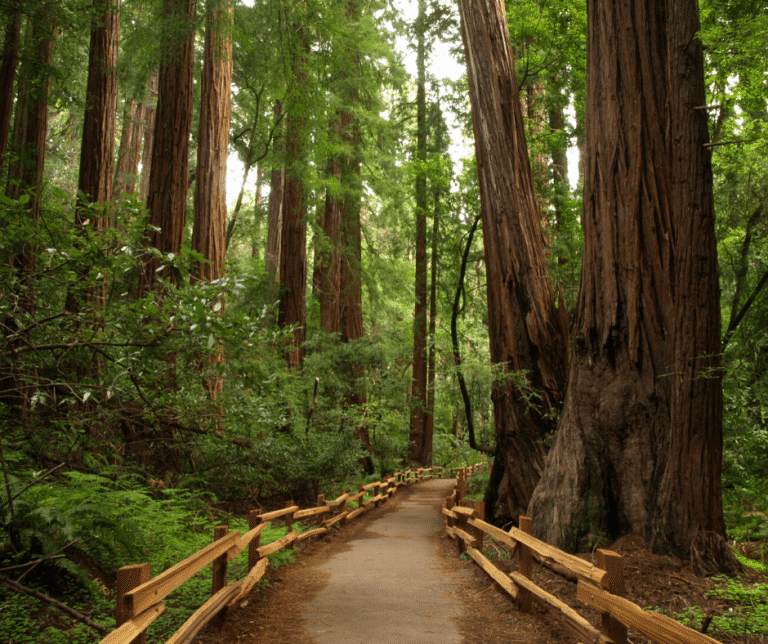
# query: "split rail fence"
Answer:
x=599 y=586
x=139 y=597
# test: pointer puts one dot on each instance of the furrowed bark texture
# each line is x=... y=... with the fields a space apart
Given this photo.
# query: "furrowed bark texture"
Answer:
x=527 y=332
x=419 y=378
x=640 y=441
x=97 y=159
x=293 y=243
x=329 y=261
x=275 y=218
x=167 y=195
x=130 y=149
x=8 y=68
x=209 y=231
x=150 y=118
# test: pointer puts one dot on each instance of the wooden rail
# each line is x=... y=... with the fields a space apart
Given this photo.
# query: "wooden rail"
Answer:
x=139 y=597
x=600 y=586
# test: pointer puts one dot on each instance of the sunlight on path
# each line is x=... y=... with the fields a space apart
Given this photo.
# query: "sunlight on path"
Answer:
x=389 y=587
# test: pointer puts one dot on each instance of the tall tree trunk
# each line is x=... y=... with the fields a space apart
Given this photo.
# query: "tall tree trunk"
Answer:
x=419 y=380
x=293 y=244
x=150 y=118
x=351 y=300
x=209 y=230
x=167 y=197
x=528 y=334
x=429 y=419
x=640 y=441
x=130 y=149
x=275 y=218
x=7 y=79
x=329 y=261
x=97 y=152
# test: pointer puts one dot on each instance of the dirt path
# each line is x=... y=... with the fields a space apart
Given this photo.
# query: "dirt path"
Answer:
x=392 y=577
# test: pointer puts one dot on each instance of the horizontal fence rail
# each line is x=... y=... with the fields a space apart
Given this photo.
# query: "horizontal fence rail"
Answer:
x=599 y=586
x=140 y=596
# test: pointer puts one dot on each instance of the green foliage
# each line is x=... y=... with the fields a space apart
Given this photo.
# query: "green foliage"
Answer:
x=749 y=615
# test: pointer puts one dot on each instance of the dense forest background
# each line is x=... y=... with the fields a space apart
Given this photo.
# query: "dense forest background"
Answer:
x=166 y=348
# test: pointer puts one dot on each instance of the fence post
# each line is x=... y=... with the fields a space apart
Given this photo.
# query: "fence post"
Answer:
x=613 y=582
x=289 y=517
x=525 y=564
x=254 y=519
x=461 y=524
x=376 y=493
x=477 y=532
x=128 y=578
x=219 y=572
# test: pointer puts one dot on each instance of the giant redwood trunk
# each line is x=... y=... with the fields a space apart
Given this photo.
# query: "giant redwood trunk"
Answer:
x=275 y=216
x=149 y=115
x=293 y=243
x=167 y=192
x=528 y=334
x=419 y=380
x=640 y=441
x=10 y=62
x=209 y=230
x=130 y=149
x=98 y=143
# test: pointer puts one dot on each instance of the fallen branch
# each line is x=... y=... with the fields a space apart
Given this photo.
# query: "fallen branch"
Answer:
x=102 y=630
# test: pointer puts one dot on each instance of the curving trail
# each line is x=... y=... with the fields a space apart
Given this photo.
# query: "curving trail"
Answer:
x=391 y=577
x=390 y=586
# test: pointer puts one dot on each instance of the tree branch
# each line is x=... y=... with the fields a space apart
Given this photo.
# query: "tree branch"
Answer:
x=102 y=630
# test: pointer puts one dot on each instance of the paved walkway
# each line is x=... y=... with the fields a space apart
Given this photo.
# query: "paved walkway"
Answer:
x=389 y=586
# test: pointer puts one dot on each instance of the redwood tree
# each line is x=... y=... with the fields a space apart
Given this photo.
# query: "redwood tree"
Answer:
x=640 y=441
x=209 y=230
x=8 y=67
x=293 y=243
x=419 y=380
x=528 y=333
x=167 y=192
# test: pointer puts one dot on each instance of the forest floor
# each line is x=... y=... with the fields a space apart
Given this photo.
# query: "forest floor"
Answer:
x=394 y=576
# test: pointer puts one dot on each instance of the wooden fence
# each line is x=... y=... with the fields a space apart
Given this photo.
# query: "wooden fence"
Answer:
x=139 y=597
x=600 y=586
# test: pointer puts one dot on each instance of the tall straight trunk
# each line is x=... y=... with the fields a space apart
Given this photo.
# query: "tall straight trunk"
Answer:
x=98 y=146
x=8 y=68
x=209 y=230
x=351 y=292
x=210 y=224
x=640 y=441
x=275 y=217
x=329 y=261
x=419 y=379
x=429 y=420
x=130 y=148
x=98 y=143
x=25 y=173
x=149 y=118
x=167 y=197
x=293 y=243
x=528 y=333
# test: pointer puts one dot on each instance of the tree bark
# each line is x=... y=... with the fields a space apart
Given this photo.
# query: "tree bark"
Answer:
x=8 y=68
x=293 y=245
x=209 y=230
x=167 y=196
x=150 y=118
x=528 y=334
x=418 y=397
x=130 y=149
x=97 y=151
x=275 y=218
x=640 y=441
x=329 y=261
